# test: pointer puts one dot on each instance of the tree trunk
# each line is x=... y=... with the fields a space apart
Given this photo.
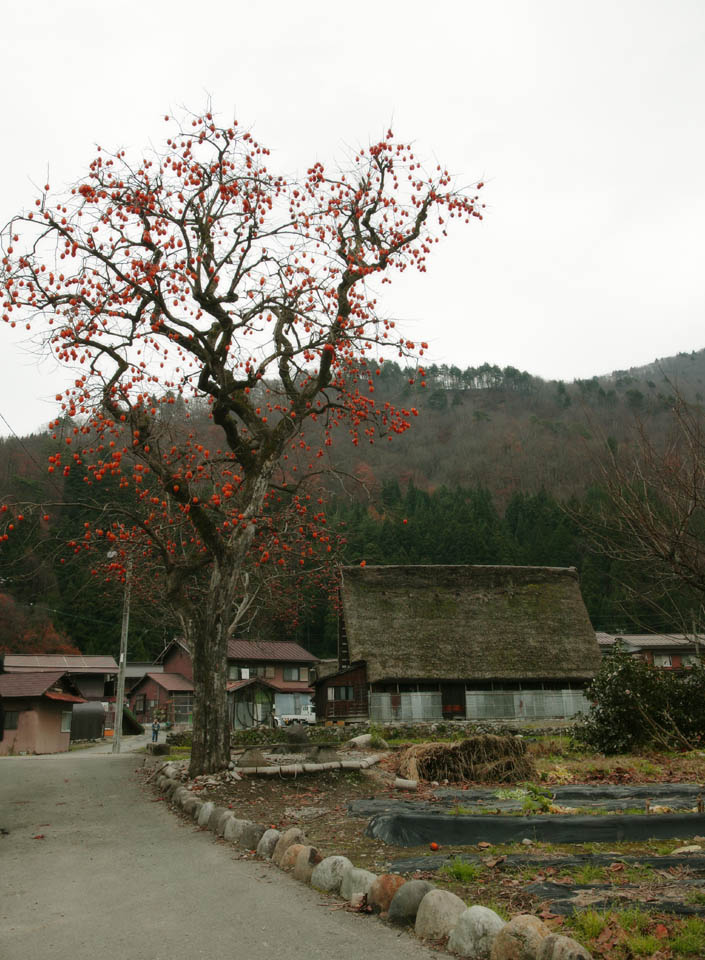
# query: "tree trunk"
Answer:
x=210 y=750
x=207 y=630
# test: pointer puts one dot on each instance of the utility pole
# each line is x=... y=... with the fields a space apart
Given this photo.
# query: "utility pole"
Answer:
x=120 y=696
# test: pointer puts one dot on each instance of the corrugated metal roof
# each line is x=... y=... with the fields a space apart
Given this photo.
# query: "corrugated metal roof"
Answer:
x=54 y=661
x=277 y=650
x=33 y=684
x=642 y=640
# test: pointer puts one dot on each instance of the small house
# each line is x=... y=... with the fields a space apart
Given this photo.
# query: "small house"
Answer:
x=94 y=676
x=459 y=642
x=36 y=711
x=286 y=667
x=168 y=696
x=669 y=651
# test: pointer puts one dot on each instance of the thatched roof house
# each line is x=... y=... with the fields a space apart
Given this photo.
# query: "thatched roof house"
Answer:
x=485 y=622
x=477 y=628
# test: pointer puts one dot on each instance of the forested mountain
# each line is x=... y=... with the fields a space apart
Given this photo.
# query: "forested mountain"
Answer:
x=497 y=467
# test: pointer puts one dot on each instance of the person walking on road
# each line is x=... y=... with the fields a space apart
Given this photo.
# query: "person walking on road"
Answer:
x=155 y=730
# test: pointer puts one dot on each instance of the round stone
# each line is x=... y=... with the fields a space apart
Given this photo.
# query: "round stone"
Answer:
x=520 y=939
x=328 y=874
x=474 y=933
x=438 y=913
x=405 y=902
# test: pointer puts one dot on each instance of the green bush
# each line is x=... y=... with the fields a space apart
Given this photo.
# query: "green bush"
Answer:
x=636 y=705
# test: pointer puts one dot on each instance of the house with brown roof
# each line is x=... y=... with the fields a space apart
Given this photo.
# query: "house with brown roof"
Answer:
x=284 y=667
x=459 y=642
x=94 y=676
x=35 y=711
x=669 y=651
x=168 y=696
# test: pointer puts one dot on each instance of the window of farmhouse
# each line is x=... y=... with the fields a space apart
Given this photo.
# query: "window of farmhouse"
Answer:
x=296 y=673
x=66 y=721
x=340 y=693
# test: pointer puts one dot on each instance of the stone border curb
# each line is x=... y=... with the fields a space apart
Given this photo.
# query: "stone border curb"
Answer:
x=474 y=931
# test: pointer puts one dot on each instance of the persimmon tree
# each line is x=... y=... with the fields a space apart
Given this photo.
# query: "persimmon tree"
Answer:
x=196 y=278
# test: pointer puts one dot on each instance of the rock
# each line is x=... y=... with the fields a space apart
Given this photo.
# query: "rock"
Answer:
x=188 y=804
x=360 y=743
x=204 y=813
x=305 y=863
x=233 y=829
x=520 y=939
x=158 y=749
x=527 y=842
x=383 y=890
x=556 y=947
x=355 y=881
x=474 y=933
x=216 y=814
x=221 y=822
x=268 y=841
x=328 y=874
x=693 y=848
x=197 y=809
x=170 y=771
x=251 y=835
x=438 y=913
x=292 y=835
x=289 y=856
x=405 y=902
x=179 y=795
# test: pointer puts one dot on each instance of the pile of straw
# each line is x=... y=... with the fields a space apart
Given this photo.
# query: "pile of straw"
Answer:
x=487 y=758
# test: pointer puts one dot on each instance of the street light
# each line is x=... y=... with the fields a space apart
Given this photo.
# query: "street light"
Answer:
x=120 y=693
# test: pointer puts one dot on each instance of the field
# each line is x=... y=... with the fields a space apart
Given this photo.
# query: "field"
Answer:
x=624 y=899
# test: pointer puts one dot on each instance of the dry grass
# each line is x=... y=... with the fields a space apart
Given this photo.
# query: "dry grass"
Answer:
x=484 y=759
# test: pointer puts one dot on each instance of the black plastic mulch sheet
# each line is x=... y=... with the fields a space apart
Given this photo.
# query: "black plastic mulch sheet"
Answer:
x=680 y=796
x=692 y=862
x=417 y=829
x=564 y=899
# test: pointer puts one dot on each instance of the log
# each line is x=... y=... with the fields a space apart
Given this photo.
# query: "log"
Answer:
x=406 y=784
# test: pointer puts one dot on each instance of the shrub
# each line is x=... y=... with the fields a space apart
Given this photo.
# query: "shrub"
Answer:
x=635 y=704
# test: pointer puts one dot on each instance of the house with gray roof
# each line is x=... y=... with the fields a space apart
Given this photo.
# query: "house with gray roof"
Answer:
x=459 y=642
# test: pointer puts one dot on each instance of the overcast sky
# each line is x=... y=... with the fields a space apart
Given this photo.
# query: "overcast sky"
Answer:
x=584 y=119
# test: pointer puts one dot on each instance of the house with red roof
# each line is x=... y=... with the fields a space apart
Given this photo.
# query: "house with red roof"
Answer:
x=35 y=711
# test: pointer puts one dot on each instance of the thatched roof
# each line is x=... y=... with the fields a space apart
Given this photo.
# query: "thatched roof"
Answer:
x=469 y=622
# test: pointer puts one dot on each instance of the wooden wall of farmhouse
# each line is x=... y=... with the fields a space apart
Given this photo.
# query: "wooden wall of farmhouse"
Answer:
x=342 y=709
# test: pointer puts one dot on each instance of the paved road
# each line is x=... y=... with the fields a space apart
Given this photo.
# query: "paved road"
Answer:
x=117 y=875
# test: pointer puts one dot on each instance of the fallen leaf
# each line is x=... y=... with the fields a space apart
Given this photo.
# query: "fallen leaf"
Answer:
x=661 y=931
x=39 y=836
